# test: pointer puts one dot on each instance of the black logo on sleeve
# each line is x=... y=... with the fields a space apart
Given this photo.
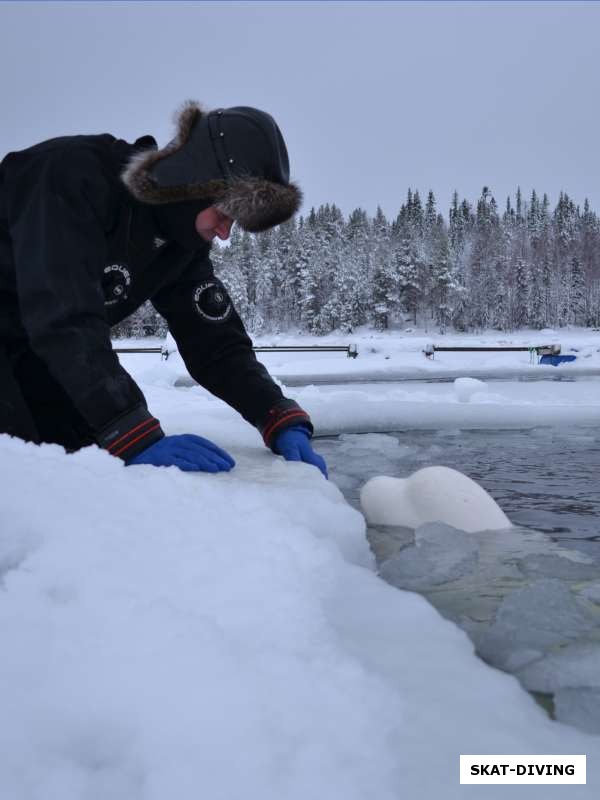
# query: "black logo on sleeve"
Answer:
x=212 y=302
x=115 y=284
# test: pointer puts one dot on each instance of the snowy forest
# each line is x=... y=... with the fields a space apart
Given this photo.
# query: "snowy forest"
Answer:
x=525 y=266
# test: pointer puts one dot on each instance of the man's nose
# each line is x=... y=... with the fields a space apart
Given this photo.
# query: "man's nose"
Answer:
x=223 y=229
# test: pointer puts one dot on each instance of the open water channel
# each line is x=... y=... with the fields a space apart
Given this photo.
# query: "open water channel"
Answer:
x=528 y=596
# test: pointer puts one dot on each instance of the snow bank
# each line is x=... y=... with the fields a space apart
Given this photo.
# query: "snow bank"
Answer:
x=174 y=635
x=540 y=400
x=468 y=388
x=399 y=355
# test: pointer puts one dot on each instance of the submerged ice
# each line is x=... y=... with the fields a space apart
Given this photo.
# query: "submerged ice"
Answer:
x=441 y=553
x=532 y=620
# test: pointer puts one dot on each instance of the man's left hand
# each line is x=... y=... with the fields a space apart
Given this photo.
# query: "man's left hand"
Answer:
x=294 y=445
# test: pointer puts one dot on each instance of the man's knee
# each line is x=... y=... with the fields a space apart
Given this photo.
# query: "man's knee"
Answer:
x=45 y=403
x=15 y=416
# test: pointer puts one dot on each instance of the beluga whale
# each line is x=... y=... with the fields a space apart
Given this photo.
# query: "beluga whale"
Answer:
x=432 y=494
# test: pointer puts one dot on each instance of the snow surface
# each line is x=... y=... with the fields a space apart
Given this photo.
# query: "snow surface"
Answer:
x=527 y=395
x=468 y=388
x=166 y=634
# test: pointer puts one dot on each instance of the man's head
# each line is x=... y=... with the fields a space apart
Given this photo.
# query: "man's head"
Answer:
x=233 y=160
x=211 y=222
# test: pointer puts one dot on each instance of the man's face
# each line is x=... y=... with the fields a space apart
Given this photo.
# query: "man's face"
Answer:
x=211 y=223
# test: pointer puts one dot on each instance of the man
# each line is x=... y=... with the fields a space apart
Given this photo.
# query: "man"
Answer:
x=90 y=228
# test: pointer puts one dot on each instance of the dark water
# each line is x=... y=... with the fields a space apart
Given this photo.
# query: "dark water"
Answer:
x=529 y=596
x=545 y=479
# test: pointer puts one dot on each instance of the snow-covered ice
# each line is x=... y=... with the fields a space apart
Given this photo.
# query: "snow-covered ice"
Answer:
x=166 y=634
x=467 y=388
x=174 y=635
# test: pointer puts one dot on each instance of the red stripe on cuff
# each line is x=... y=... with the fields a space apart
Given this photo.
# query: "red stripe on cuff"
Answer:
x=137 y=438
x=268 y=431
x=129 y=433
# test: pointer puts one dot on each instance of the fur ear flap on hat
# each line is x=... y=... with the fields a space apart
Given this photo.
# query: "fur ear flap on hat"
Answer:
x=190 y=168
x=257 y=205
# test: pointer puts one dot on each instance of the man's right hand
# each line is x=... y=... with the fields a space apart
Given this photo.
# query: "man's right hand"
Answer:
x=187 y=451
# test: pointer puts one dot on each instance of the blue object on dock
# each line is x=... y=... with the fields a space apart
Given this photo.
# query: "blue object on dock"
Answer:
x=556 y=360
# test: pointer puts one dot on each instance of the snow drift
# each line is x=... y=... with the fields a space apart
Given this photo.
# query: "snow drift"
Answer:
x=175 y=635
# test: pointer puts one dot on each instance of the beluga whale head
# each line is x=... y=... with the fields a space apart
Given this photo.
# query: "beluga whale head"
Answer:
x=432 y=494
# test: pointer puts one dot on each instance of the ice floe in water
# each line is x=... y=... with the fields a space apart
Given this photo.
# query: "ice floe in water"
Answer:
x=575 y=665
x=536 y=615
x=579 y=707
x=534 y=618
x=431 y=561
x=530 y=605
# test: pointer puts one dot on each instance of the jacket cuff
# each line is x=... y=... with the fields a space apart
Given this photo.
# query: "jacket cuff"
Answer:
x=280 y=417
x=130 y=433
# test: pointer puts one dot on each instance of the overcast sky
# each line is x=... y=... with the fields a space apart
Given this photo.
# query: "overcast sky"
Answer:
x=371 y=97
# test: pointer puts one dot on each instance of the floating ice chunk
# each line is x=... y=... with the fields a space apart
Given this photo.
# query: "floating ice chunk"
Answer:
x=555 y=566
x=346 y=483
x=379 y=442
x=465 y=388
x=577 y=664
x=441 y=554
x=591 y=592
x=355 y=454
x=579 y=707
x=387 y=540
x=431 y=494
x=536 y=617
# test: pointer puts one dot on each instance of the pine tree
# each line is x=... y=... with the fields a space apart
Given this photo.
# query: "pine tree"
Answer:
x=484 y=257
x=384 y=283
x=310 y=298
x=290 y=255
x=407 y=271
x=521 y=298
x=267 y=273
x=443 y=284
x=519 y=219
x=578 y=293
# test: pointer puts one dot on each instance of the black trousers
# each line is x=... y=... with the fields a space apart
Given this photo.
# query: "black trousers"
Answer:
x=34 y=406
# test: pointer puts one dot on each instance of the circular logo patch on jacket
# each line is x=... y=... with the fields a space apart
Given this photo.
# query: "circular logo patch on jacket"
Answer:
x=212 y=301
x=115 y=284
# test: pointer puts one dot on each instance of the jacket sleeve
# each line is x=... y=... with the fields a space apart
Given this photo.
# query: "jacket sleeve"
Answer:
x=59 y=209
x=218 y=352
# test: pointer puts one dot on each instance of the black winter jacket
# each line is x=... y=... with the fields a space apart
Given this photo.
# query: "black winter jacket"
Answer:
x=78 y=254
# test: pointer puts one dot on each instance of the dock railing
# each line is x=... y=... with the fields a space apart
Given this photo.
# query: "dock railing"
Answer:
x=539 y=350
x=351 y=350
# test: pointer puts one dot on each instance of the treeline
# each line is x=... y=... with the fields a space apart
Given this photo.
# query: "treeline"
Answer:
x=526 y=266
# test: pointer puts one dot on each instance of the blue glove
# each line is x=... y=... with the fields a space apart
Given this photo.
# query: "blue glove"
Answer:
x=187 y=451
x=294 y=445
